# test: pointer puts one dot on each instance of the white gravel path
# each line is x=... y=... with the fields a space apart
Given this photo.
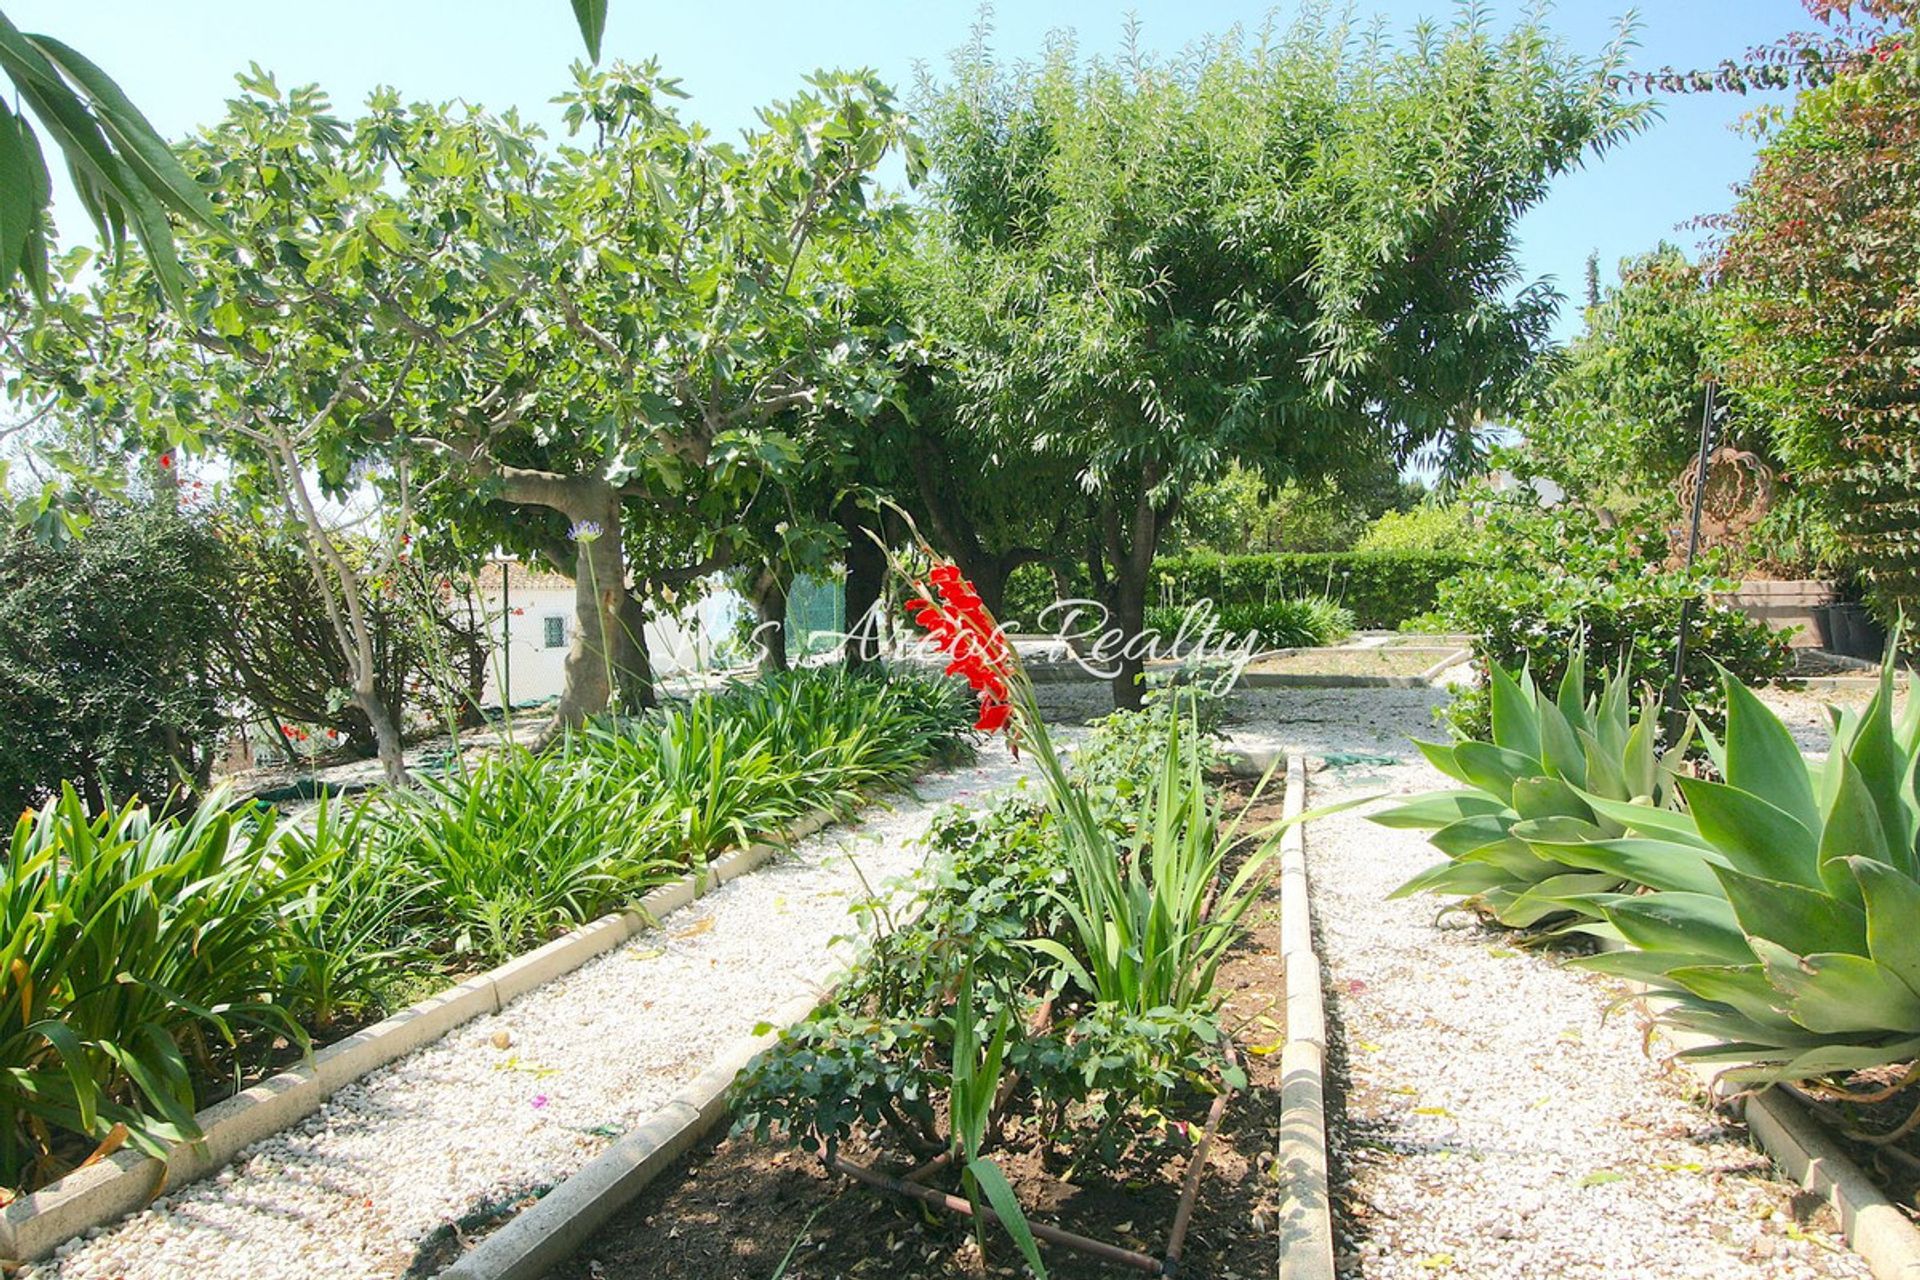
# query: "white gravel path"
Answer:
x=1497 y=1124
x=525 y=1098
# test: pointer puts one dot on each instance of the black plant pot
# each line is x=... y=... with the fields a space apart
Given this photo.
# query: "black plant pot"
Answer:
x=1823 y=627
x=1856 y=633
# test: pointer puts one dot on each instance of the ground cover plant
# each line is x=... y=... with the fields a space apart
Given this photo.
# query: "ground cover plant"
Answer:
x=151 y=961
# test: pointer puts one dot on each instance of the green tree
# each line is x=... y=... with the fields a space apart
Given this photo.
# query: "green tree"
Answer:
x=560 y=352
x=1616 y=413
x=1818 y=259
x=1299 y=254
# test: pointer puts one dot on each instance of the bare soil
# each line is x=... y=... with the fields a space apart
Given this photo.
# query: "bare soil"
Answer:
x=736 y=1208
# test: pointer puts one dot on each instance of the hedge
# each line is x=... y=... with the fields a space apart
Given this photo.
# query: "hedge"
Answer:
x=1383 y=588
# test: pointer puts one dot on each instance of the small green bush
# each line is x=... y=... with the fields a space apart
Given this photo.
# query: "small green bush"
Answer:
x=1428 y=527
x=1548 y=585
x=1276 y=624
x=139 y=952
x=106 y=679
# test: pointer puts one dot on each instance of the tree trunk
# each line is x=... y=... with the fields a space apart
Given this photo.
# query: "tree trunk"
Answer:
x=1126 y=605
x=386 y=733
x=632 y=662
x=599 y=587
x=767 y=591
x=866 y=579
x=1129 y=546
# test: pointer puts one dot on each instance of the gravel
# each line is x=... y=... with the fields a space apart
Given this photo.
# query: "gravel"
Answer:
x=1498 y=1122
x=1804 y=711
x=518 y=1101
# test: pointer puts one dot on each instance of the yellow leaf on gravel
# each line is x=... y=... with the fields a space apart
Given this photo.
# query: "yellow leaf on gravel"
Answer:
x=697 y=929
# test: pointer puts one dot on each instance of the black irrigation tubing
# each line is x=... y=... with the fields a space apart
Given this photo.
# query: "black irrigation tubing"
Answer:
x=954 y=1204
x=1120 y=1256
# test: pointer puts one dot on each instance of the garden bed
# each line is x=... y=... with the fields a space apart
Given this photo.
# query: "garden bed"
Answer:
x=737 y=1206
x=1404 y=661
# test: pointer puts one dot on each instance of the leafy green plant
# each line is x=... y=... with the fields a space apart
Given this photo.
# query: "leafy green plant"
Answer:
x=347 y=927
x=1301 y=623
x=1382 y=588
x=1792 y=945
x=1154 y=915
x=135 y=956
x=973 y=1095
x=1548 y=585
x=512 y=849
x=1537 y=830
x=108 y=681
x=1432 y=527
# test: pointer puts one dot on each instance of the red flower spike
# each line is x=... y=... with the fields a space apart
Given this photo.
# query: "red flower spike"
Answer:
x=993 y=715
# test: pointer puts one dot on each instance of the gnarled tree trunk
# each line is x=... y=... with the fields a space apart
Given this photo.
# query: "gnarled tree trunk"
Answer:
x=866 y=579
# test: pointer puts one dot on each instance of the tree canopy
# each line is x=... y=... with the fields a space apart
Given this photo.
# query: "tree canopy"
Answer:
x=1298 y=253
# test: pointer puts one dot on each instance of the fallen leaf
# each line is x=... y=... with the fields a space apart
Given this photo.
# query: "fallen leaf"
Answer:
x=697 y=929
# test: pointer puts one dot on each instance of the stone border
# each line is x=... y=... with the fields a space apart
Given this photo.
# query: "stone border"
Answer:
x=1874 y=1227
x=1305 y=1233
x=551 y=1229
x=33 y=1226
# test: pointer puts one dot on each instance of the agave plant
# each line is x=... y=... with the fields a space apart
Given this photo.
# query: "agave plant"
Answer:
x=1539 y=829
x=1793 y=943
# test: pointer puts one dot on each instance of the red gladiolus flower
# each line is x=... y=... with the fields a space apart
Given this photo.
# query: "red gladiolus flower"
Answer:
x=166 y=462
x=960 y=626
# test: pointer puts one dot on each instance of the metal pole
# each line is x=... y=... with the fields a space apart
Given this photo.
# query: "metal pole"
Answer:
x=1675 y=708
x=506 y=644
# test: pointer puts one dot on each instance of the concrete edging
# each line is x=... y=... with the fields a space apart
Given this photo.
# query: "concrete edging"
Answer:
x=33 y=1226
x=1875 y=1229
x=1306 y=1211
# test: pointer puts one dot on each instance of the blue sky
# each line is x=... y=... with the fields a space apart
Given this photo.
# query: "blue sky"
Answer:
x=177 y=58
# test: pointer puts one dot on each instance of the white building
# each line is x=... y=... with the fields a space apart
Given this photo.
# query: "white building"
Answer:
x=535 y=627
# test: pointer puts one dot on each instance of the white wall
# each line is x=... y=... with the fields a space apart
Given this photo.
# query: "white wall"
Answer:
x=537 y=671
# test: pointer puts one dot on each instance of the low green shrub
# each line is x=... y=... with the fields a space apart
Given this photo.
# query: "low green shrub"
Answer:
x=1381 y=588
x=140 y=956
x=1549 y=585
x=1301 y=623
